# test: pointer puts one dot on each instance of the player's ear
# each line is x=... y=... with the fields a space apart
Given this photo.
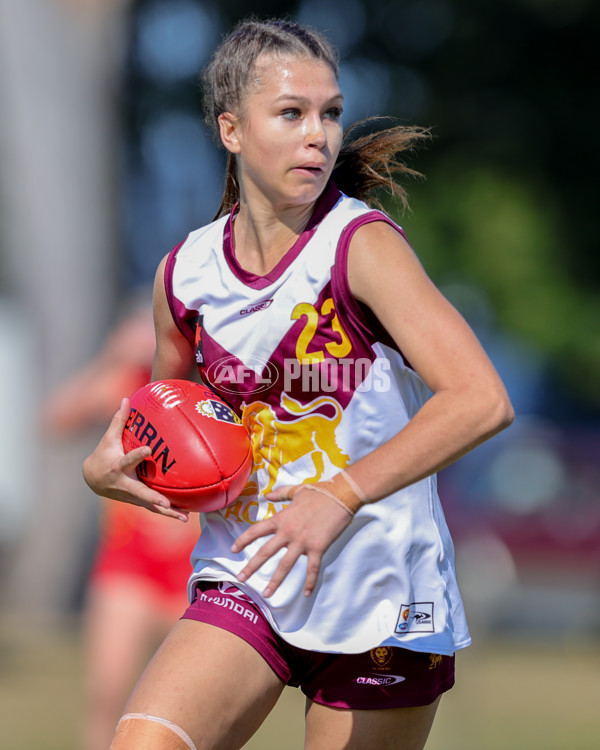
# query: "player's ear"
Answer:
x=229 y=126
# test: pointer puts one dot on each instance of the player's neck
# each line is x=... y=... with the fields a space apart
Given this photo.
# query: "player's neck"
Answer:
x=263 y=236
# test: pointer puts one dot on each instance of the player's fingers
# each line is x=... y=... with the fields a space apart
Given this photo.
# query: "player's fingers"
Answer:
x=257 y=530
x=286 y=563
x=153 y=500
x=286 y=492
x=145 y=494
x=267 y=551
x=180 y=515
x=130 y=460
x=312 y=573
x=119 y=419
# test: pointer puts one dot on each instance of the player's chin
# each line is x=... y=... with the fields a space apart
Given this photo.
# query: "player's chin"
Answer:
x=307 y=190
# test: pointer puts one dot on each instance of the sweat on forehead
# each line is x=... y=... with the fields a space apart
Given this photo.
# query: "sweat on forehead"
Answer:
x=278 y=62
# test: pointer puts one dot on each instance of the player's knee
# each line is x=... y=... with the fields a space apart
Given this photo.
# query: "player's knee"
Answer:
x=144 y=732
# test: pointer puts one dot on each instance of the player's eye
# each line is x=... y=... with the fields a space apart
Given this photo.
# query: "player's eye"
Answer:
x=334 y=113
x=291 y=114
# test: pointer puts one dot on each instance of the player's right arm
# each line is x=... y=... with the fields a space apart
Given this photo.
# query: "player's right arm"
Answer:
x=174 y=357
x=110 y=472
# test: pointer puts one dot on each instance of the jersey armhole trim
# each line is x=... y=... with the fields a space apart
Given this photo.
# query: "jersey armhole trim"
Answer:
x=357 y=314
x=178 y=311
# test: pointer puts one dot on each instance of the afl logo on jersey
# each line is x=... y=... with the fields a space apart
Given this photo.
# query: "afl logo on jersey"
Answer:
x=252 y=375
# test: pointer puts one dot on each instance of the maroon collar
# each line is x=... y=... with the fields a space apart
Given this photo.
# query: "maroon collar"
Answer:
x=326 y=201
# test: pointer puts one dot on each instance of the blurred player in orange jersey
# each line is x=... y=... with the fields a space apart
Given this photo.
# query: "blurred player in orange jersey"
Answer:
x=137 y=586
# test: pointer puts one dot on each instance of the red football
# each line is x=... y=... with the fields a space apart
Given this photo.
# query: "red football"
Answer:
x=201 y=452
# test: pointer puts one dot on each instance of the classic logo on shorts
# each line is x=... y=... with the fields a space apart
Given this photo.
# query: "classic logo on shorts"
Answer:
x=381 y=657
x=416 y=617
x=378 y=680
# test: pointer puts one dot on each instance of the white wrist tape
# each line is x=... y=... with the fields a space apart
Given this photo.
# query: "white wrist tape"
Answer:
x=341 y=488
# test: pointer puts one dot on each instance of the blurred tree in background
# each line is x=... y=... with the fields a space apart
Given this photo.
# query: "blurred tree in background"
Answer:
x=507 y=214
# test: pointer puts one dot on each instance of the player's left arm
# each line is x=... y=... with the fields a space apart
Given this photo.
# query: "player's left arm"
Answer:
x=468 y=405
x=469 y=402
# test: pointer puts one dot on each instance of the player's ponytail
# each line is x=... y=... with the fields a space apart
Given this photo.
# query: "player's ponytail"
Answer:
x=231 y=189
x=368 y=164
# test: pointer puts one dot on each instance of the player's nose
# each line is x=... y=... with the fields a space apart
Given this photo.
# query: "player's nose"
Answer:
x=314 y=132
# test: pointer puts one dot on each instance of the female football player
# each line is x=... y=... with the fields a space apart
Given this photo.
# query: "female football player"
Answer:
x=306 y=308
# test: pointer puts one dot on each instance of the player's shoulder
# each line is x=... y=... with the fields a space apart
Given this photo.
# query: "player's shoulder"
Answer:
x=377 y=225
x=378 y=239
x=379 y=253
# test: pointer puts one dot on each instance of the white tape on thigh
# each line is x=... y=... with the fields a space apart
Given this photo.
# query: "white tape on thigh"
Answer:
x=125 y=734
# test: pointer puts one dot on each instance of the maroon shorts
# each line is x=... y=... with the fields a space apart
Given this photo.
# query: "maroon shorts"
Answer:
x=384 y=677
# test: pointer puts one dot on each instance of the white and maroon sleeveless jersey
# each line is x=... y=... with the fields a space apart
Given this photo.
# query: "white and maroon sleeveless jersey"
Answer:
x=319 y=384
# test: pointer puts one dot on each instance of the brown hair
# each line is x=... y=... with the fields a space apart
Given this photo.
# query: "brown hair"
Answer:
x=365 y=164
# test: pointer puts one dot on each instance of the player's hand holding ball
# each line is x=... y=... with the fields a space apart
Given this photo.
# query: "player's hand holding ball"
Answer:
x=183 y=442
x=111 y=473
x=200 y=452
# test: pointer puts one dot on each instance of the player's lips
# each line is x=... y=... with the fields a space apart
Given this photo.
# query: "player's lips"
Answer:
x=310 y=168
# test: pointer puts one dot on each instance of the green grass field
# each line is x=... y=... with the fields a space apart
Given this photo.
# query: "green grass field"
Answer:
x=509 y=696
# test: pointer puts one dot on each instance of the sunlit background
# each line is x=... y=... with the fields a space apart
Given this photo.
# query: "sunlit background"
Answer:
x=106 y=164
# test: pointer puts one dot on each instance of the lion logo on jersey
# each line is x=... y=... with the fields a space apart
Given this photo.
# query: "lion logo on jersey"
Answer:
x=277 y=442
x=382 y=655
